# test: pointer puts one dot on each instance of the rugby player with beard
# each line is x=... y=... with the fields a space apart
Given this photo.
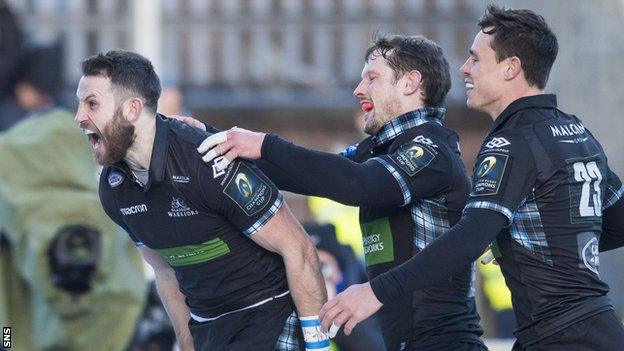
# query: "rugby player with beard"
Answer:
x=232 y=265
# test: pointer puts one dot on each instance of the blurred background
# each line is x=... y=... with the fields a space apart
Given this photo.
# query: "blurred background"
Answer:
x=290 y=66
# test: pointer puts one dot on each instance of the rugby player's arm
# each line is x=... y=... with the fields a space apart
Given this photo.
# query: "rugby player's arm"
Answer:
x=277 y=176
x=333 y=176
x=172 y=298
x=284 y=235
x=445 y=256
x=281 y=179
x=309 y=172
x=612 y=235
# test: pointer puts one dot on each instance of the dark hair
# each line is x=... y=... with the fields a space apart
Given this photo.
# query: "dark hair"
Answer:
x=127 y=70
x=407 y=53
x=524 y=34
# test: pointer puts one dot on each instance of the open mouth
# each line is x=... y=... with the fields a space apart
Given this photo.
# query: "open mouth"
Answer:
x=367 y=106
x=94 y=138
x=469 y=86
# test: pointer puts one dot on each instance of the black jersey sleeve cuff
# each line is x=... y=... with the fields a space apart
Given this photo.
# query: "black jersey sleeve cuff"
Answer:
x=379 y=284
x=492 y=206
x=264 y=219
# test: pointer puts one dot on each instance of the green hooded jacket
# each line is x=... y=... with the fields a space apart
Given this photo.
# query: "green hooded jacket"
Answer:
x=48 y=180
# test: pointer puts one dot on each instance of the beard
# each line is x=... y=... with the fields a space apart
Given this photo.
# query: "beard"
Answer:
x=383 y=112
x=118 y=136
x=373 y=124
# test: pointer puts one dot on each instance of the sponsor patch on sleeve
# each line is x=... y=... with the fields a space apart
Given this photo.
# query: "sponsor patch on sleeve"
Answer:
x=412 y=157
x=488 y=173
x=250 y=192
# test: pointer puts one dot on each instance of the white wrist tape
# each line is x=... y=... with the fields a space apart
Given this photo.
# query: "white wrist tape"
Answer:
x=315 y=339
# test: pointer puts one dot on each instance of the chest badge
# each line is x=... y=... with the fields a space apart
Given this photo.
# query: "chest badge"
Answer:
x=115 y=179
x=180 y=209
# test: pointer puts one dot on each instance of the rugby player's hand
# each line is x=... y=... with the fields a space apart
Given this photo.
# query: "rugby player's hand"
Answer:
x=232 y=144
x=190 y=121
x=349 y=308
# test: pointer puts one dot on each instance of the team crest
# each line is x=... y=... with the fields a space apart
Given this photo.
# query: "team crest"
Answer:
x=115 y=179
x=180 y=209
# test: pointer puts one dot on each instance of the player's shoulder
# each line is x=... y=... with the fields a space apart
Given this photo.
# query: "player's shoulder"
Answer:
x=430 y=135
x=359 y=151
x=183 y=141
x=185 y=135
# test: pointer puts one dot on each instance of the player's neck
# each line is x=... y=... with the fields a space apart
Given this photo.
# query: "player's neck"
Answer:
x=508 y=99
x=140 y=153
x=406 y=107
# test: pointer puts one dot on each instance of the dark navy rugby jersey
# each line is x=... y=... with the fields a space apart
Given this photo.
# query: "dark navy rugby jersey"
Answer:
x=198 y=219
x=549 y=176
x=423 y=157
x=416 y=187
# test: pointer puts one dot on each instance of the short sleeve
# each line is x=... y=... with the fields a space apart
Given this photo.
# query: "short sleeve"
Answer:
x=242 y=194
x=613 y=190
x=503 y=175
x=420 y=167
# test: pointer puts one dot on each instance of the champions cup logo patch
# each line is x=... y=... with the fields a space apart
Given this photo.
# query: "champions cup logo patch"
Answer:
x=243 y=185
x=179 y=209
x=250 y=192
x=488 y=174
x=486 y=166
x=415 y=152
x=115 y=179
x=413 y=157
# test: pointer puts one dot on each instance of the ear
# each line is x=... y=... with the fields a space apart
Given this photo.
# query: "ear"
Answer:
x=412 y=81
x=133 y=109
x=513 y=67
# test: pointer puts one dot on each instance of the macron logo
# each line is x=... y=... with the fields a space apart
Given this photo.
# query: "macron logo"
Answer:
x=497 y=142
x=127 y=211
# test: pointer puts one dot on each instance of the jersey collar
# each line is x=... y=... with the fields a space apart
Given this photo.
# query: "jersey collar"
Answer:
x=392 y=129
x=159 y=152
x=535 y=101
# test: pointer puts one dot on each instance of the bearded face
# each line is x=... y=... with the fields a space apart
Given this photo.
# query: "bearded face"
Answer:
x=100 y=115
x=379 y=94
x=110 y=144
x=118 y=135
